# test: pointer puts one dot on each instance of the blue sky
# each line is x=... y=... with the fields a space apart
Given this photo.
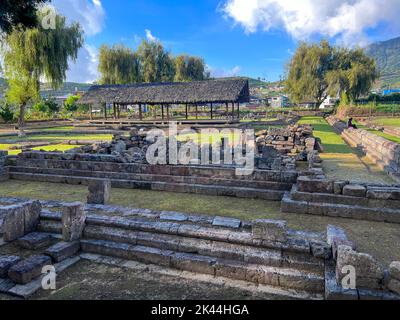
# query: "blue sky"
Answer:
x=253 y=38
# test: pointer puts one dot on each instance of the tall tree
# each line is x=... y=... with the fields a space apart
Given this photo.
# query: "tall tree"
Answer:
x=37 y=54
x=22 y=13
x=319 y=70
x=188 y=68
x=155 y=62
x=307 y=74
x=118 y=65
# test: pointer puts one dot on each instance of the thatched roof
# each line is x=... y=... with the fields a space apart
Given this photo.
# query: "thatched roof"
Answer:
x=211 y=91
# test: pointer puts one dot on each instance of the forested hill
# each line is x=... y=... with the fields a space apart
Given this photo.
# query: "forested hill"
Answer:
x=387 y=55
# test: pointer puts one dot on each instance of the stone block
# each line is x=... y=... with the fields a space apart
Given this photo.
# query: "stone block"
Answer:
x=369 y=273
x=226 y=222
x=193 y=263
x=354 y=190
x=32 y=215
x=35 y=240
x=383 y=193
x=99 y=191
x=394 y=270
x=173 y=216
x=272 y=230
x=73 y=221
x=394 y=286
x=307 y=184
x=63 y=250
x=29 y=269
x=12 y=222
x=338 y=186
x=320 y=249
x=6 y=262
x=337 y=236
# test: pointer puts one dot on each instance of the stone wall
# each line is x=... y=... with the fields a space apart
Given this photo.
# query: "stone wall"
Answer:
x=385 y=153
x=317 y=195
x=3 y=170
x=353 y=275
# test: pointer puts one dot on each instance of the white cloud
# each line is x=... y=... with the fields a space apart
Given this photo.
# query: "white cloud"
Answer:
x=150 y=36
x=91 y=16
x=89 y=13
x=85 y=68
x=347 y=20
x=223 y=73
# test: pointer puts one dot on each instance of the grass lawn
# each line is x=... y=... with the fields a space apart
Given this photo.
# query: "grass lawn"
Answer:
x=390 y=122
x=379 y=133
x=332 y=142
x=54 y=137
x=64 y=128
x=378 y=239
x=340 y=160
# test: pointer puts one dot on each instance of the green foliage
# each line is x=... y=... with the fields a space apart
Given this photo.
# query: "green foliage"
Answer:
x=35 y=54
x=189 y=68
x=150 y=63
x=118 y=65
x=319 y=70
x=48 y=107
x=15 y=13
x=156 y=63
x=70 y=104
x=6 y=113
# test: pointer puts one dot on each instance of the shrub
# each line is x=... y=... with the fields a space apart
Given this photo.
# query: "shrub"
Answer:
x=6 y=113
x=70 y=104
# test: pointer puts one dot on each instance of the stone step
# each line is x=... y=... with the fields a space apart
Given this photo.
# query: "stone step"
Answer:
x=247 y=254
x=279 y=277
x=63 y=250
x=288 y=205
x=26 y=270
x=297 y=242
x=272 y=195
x=256 y=184
x=345 y=200
x=53 y=160
x=35 y=241
x=259 y=290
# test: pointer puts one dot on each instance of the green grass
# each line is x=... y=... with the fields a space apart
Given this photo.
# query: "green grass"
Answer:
x=379 y=133
x=64 y=128
x=54 y=137
x=331 y=141
x=57 y=147
x=390 y=122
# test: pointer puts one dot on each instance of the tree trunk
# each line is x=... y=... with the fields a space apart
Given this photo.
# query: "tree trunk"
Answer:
x=21 y=120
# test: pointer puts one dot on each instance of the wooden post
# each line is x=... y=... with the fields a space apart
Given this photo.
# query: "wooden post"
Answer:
x=105 y=110
x=233 y=110
x=212 y=116
x=187 y=116
x=115 y=110
x=118 y=111
x=91 y=112
x=140 y=112
x=197 y=110
x=168 y=112
x=162 y=111
x=227 y=110
x=238 y=110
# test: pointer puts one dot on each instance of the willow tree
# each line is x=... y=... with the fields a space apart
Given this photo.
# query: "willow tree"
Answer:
x=118 y=65
x=155 y=62
x=37 y=54
x=319 y=70
x=189 y=68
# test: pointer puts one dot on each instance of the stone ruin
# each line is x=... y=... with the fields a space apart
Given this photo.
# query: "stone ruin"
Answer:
x=263 y=254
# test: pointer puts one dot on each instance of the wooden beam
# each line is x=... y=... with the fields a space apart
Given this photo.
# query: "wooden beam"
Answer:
x=91 y=112
x=187 y=116
x=197 y=111
x=238 y=110
x=140 y=112
x=212 y=115
x=162 y=111
x=233 y=110
x=115 y=110
x=227 y=110
x=105 y=110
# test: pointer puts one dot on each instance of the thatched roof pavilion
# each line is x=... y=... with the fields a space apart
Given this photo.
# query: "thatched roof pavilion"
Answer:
x=221 y=91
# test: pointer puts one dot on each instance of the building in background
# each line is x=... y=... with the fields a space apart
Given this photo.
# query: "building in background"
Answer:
x=281 y=101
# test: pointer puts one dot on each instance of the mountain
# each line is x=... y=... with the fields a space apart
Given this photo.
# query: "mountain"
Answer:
x=387 y=56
